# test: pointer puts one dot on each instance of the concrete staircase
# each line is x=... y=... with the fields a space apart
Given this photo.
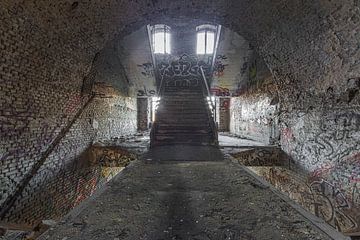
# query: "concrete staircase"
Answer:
x=183 y=117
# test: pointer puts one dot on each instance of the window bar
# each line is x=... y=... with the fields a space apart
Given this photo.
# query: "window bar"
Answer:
x=164 y=39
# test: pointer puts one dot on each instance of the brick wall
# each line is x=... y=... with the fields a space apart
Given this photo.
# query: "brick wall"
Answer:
x=41 y=78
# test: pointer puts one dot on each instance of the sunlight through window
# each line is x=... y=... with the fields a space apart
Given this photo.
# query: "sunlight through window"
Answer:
x=161 y=39
x=205 y=39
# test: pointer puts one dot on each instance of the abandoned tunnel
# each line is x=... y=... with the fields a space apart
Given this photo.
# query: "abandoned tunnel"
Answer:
x=178 y=119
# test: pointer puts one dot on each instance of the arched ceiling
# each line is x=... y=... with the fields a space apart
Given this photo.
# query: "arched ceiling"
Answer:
x=308 y=45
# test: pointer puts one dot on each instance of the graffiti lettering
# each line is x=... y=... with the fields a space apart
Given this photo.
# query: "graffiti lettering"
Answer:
x=330 y=203
x=219 y=66
x=219 y=91
x=147 y=69
x=183 y=71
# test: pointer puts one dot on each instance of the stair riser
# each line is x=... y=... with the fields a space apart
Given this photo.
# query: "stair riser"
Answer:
x=182 y=117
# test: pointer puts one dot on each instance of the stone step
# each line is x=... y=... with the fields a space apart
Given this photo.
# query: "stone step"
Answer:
x=183 y=98
x=183 y=102
x=200 y=126
x=174 y=109
x=182 y=114
x=183 y=137
x=169 y=91
x=183 y=141
x=194 y=118
x=175 y=131
x=182 y=117
x=179 y=109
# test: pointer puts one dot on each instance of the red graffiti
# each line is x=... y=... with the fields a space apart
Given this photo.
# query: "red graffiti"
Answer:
x=355 y=174
x=84 y=189
x=219 y=91
x=320 y=172
x=73 y=104
x=225 y=103
x=219 y=66
x=349 y=168
x=288 y=134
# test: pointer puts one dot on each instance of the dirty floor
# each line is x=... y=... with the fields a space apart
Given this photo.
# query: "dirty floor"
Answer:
x=175 y=199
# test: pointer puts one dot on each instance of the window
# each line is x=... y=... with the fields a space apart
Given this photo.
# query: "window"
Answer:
x=161 y=39
x=205 y=39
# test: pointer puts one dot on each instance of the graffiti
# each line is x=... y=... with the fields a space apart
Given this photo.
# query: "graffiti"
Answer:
x=110 y=156
x=145 y=92
x=85 y=187
x=262 y=157
x=184 y=66
x=288 y=136
x=332 y=153
x=183 y=71
x=355 y=195
x=219 y=91
x=321 y=197
x=72 y=105
x=183 y=82
x=334 y=140
x=147 y=69
x=219 y=66
x=330 y=204
x=225 y=103
x=344 y=173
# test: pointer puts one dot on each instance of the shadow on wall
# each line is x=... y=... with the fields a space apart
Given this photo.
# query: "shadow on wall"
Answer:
x=72 y=184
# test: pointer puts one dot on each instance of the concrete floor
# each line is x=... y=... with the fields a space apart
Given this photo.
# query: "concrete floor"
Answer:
x=161 y=197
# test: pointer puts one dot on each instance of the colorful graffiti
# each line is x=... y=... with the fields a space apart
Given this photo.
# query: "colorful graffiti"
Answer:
x=262 y=156
x=332 y=153
x=322 y=198
x=219 y=91
x=225 y=103
x=220 y=65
